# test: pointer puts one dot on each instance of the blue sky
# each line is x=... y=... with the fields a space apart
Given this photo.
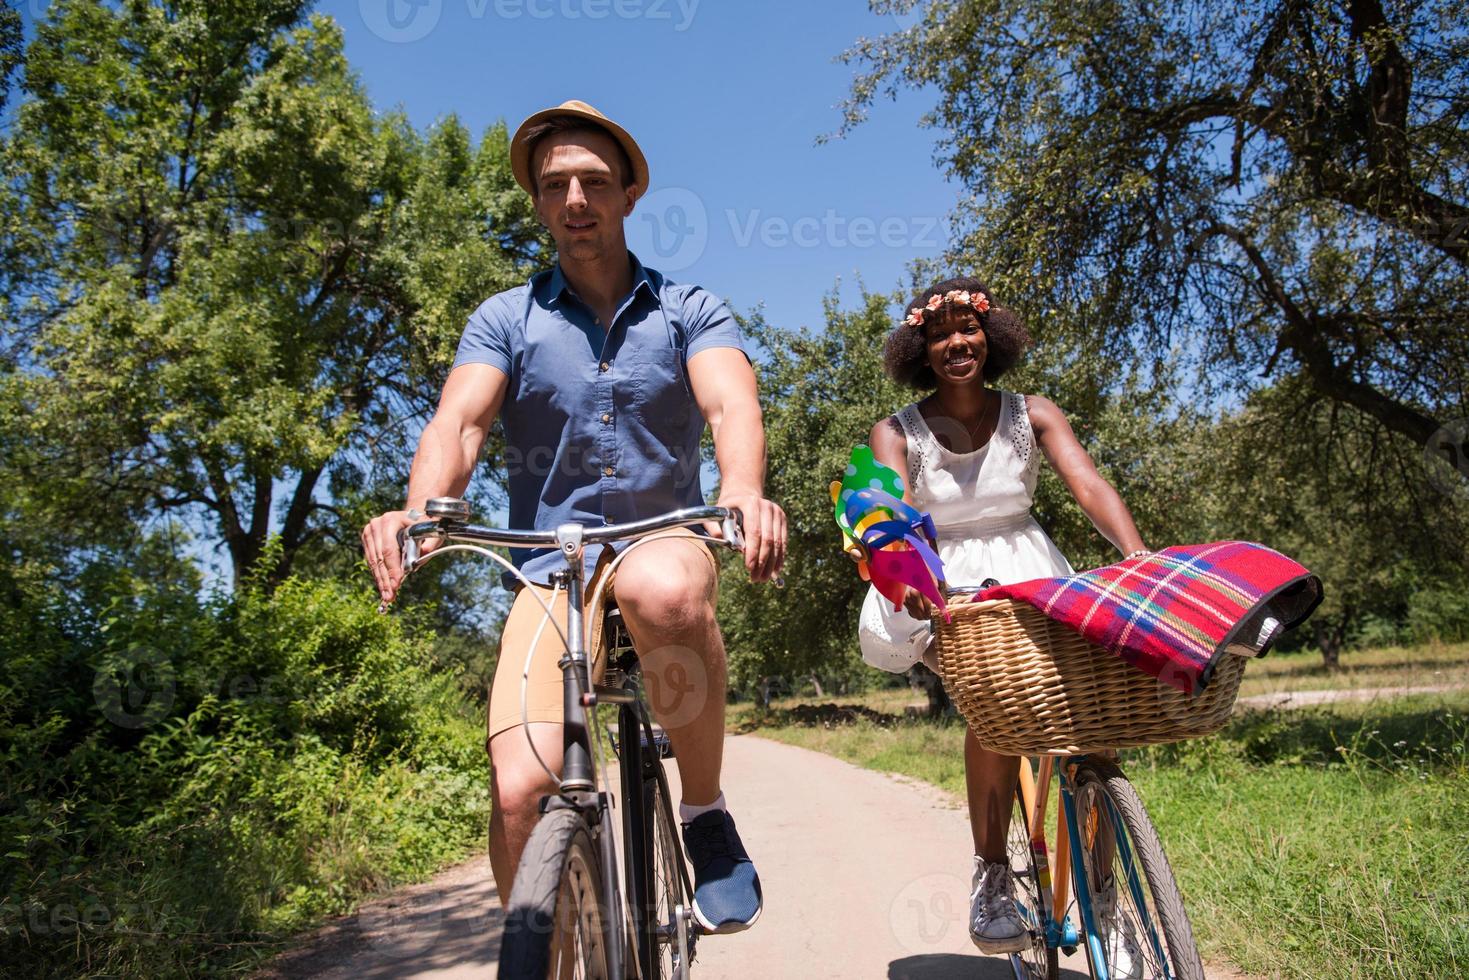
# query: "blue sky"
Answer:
x=726 y=98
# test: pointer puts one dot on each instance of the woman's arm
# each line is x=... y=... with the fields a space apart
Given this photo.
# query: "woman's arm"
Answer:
x=890 y=448
x=1098 y=499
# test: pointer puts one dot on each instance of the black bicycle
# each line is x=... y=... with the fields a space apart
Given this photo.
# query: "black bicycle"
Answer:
x=570 y=914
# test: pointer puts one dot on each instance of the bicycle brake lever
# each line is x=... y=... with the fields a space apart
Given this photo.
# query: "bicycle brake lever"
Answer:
x=733 y=530
x=409 y=549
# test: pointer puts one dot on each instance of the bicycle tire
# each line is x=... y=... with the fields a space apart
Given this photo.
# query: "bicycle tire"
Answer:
x=1037 y=961
x=669 y=898
x=557 y=894
x=1171 y=941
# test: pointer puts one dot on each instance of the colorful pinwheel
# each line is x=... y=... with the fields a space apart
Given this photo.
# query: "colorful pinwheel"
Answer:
x=892 y=543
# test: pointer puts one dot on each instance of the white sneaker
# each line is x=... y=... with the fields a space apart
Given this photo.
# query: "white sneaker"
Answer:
x=1119 y=937
x=994 y=922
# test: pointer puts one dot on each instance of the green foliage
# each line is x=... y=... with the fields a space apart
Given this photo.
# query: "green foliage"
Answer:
x=1238 y=235
x=187 y=780
x=1266 y=190
x=11 y=44
x=233 y=289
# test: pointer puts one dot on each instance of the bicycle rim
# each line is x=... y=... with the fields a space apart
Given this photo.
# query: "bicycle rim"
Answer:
x=1149 y=936
x=556 y=927
x=1037 y=961
x=669 y=900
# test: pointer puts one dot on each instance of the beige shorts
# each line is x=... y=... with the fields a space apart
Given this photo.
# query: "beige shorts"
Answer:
x=543 y=687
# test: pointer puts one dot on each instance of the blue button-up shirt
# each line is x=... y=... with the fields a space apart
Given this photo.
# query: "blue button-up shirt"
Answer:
x=600 y=421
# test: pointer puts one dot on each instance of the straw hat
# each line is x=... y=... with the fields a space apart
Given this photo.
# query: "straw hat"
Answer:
x=520 y=148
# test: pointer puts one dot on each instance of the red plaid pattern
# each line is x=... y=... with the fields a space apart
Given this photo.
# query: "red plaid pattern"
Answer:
x=1174 y=613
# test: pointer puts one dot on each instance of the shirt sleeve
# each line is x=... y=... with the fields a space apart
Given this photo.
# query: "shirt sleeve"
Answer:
x=487 y=337
x=709 y=323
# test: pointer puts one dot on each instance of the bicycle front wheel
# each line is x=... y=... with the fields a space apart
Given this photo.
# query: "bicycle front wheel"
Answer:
x=556 y=927
x=1037 y=961
x=1141 y=928
x=670 y=920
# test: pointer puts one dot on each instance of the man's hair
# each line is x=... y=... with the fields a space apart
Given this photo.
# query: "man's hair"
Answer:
x=557 y=125
x=905 y=352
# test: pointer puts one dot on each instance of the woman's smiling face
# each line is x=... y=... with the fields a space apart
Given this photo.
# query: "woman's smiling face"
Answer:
x=956 y=346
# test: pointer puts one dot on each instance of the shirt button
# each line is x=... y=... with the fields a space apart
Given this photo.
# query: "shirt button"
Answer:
x=606 y=367
x=606 y=417
x=608 y=471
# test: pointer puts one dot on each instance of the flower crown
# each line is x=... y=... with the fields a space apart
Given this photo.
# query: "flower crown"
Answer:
x=977 y=301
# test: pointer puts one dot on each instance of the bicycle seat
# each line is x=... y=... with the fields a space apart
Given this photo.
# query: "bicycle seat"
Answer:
x=617 y=641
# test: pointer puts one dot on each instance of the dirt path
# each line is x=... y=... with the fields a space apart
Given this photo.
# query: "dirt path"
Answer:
x=865 y=875
x=1303 y=699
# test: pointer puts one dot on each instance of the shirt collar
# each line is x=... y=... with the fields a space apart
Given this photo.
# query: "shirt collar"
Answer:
x=642 y=279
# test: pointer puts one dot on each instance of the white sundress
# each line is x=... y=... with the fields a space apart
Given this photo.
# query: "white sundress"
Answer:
x=980 y=504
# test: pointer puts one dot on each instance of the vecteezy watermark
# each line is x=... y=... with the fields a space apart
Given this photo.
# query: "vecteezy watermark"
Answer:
x=833 y=229
x=400 y=21
x=677 y=684
x=135 y=688
x=927 y=911
x=405 y=21
x=1446 y=458
x=669 y=228
x=67 y=919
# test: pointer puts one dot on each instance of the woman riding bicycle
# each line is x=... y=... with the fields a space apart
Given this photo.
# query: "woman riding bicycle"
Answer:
x=970 y=457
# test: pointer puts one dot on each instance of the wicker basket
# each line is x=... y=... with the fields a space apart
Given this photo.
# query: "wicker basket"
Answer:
x=1029 y=686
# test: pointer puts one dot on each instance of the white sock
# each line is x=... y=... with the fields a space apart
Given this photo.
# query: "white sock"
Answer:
x=688 y=814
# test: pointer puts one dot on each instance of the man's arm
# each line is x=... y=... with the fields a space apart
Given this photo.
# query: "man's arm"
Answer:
x=724 y=387
x=442 y=466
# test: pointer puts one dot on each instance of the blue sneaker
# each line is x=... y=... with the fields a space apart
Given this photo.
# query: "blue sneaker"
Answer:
x=726 y=887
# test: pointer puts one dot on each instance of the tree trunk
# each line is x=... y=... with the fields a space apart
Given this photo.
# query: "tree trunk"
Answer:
x=762 y=694
x=925 y=680
x=1329 y=639
x=816 y=683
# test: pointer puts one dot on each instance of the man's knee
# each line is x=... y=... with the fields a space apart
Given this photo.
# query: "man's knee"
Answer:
x=517 y=781
x=672 y=596
x=515 y=793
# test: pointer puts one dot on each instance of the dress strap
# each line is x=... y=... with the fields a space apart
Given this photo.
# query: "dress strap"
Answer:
x=1017 y=418
x=919 y=448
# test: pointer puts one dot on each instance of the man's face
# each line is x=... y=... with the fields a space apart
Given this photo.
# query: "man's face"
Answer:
x=579 y=194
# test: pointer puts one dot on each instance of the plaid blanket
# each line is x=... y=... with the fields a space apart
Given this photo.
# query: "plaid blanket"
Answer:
x=1176 y=612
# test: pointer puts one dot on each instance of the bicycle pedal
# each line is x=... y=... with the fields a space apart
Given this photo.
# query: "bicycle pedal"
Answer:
x=661 y=742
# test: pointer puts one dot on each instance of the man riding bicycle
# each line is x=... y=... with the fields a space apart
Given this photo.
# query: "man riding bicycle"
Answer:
x=603 y=374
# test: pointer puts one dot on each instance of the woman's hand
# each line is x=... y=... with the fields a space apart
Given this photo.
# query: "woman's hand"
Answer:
x=916 y=604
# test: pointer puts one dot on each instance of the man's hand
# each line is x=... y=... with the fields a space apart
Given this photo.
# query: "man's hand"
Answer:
x=381 y=551
x=764 y=527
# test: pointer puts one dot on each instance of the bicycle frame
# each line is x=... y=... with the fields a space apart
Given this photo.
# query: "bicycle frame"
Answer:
x=577 y=788
x=1056 y=925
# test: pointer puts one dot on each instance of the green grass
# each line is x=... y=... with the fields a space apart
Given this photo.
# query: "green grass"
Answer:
x=1316 y=843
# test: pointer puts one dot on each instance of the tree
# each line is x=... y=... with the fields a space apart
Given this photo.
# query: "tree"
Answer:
x=821 y=395
x=231 y=288
x=1270 y=190
x=12 y=40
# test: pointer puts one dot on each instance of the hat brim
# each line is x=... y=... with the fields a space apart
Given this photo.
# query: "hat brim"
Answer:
x=520 y=148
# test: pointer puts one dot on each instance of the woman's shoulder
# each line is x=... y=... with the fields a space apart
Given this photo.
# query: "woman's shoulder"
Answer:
x=887 y=429
x=902 y=422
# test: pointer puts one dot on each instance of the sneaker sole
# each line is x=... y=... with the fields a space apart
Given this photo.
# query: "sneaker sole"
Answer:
x=729 y=927
x=1015 y=945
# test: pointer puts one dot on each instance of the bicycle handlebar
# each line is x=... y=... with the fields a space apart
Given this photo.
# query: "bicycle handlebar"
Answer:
x=450 y=523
